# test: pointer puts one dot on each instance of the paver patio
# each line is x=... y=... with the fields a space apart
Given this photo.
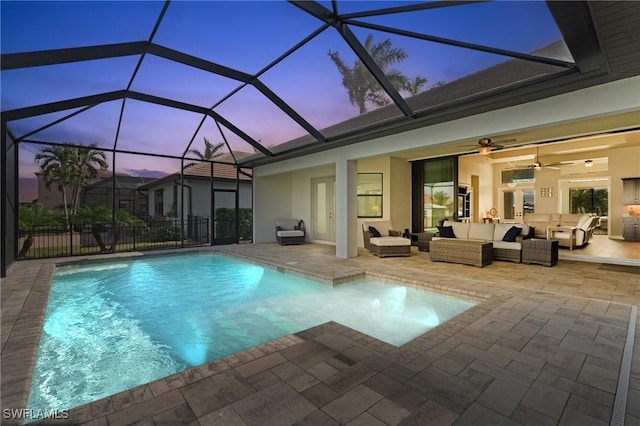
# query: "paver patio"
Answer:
x=543 y=346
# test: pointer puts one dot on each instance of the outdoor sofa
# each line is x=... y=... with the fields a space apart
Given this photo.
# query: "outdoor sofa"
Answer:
x=381 y=240
x=507 y=243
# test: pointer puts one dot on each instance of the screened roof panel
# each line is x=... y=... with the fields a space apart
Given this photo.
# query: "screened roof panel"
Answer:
x=95 y=125
x=42 y=25
x=172 y=80
x=156 y=129
x=246 y=36
x=453 y=64
x=239 y=147
x=39 y=85
x=27 y=125
x=259 y=117
x=520 y=26
x=310 y=82
x=139 y=165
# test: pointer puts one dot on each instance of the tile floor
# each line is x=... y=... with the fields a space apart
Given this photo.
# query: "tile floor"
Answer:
x=544 y=346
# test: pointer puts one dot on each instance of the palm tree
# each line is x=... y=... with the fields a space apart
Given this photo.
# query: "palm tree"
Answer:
x=360 y=84
x=211 y=151
x=70 y=168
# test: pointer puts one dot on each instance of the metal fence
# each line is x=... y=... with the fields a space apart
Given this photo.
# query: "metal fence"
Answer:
x=83 y=239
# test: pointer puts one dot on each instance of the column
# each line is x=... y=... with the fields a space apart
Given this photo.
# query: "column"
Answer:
x=346 y=208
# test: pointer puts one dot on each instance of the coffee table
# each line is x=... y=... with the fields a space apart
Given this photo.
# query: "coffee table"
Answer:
x=468 y=252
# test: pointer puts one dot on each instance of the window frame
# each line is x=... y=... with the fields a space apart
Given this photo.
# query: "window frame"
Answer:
x=380 y=196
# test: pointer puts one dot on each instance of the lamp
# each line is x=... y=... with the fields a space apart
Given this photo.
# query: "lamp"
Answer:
x=484 y=150
x=588 y=163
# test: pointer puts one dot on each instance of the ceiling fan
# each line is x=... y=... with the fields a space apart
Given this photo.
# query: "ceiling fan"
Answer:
x=537 y=165
x=486 y=145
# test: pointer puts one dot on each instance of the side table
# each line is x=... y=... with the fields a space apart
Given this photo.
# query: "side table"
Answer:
x=551 y=233
x=424 y=238
x=540 y=251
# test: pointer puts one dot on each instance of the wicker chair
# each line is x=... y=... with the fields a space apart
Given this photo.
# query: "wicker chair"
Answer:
x=290 y=231
x=390 y=243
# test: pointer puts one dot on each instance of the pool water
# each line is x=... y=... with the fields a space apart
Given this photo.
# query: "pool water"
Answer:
x=113 y=326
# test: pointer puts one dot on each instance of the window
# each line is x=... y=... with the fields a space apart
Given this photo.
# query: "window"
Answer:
x=589 y=200
x=434 y=193
x=518 y=176
x=159 y=198
x=369 y=194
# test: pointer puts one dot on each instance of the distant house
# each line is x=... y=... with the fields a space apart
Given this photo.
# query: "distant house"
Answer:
x=166 y=194
x=128 y=195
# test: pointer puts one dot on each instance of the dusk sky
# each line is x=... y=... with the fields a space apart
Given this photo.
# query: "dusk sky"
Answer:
x=243 y=35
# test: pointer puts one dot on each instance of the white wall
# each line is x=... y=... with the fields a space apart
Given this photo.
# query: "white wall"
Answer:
x=272 y=199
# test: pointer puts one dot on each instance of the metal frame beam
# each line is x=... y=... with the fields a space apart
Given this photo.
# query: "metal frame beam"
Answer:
x=12 y=61
x=410 y=8
x=574 y=21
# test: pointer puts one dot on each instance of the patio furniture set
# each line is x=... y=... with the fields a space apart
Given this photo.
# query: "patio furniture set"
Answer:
x=477 y=244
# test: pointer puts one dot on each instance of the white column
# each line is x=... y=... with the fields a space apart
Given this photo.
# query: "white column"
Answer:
x=346 y=209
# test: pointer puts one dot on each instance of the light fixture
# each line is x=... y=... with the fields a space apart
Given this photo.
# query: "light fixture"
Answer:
x=512 y=184
x=588 y=163
x=537 y=166
x=484 y=150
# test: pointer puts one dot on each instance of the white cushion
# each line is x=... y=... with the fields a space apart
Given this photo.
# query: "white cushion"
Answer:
x=292 y=233
x=460 y=229
x=390 y=241
x=382 y=226
x=481 y=231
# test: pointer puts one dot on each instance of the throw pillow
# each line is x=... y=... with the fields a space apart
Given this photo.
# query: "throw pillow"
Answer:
x=374 y=232
x=446 y=231
x=511 y=234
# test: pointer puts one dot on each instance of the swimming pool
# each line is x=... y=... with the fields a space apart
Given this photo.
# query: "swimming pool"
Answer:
x=113 y=326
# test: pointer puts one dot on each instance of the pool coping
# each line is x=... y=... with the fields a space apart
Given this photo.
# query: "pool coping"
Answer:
x=32 y=314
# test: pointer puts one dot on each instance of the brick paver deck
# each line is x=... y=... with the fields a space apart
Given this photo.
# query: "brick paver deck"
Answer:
x=543 y=346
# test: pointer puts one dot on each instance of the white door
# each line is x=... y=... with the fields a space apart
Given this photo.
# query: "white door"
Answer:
x=323 y=208
x=514 y=203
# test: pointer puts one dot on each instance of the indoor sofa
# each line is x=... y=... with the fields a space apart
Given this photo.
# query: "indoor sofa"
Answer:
x=505 y=247
x=584 y=224
x=381 y=240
